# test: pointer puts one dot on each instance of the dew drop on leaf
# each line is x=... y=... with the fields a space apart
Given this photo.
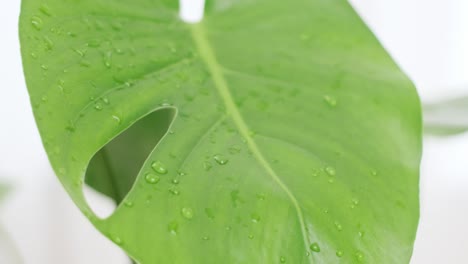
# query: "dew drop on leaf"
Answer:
x=187 y=213
x=330 y=100
x=220 y=159
x=151 y=178
x=116 y=119
x=255 y=218
x=207 y=165
x=48 y=43
x=45 y=10
x=174 y=191
x=315 y=247
x=36 y=22
x=330 y=171
x=234 y=149
x=283 y=259
x=209 y=212
x=361 y=233
x=128 y=204
x=98 y=107
x=339 y=253
x=173 y=227
x=338 y=226
x=94 y=43
x=359 y=256
x=117 y=240
x=159 y=167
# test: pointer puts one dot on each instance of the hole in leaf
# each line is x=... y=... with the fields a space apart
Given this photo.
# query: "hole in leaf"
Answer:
x=102 y=205
x=191 y=11
x=113 y=169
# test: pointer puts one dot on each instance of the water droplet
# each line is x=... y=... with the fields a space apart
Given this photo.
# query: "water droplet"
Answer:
x=206 y=238
x=174 y=191
x=361 y=233
x=116 y=118
x=282 y=259
x=173 y=227
x=107 y=59
x=339 y=253
x=252 y=133
x=338 y=226
x=207 y=165
x=330 y=171
x=44 y=8
x=209 y=212
x=117 y=240
x=48 y=43
x=187 y=212
x=374 y=172
x=98 y=107
x=159 y=167
x=315 y=247
x=330 y=100
x=175 y=181
x=117 y=26
x=251 y=236
x=44 y=67
x=234 y=149
x=85 y=63
x=261 y=196
x=80 y=52
x=151 y=178
x=36 y=22
x=44 y=98
x=255 y=218
x=94 y=43
x=359 y=256
x=105 y=100
x=70 y=127
x=220 y=159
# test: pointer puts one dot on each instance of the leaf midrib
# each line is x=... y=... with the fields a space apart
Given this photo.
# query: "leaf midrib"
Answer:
x=208 y=56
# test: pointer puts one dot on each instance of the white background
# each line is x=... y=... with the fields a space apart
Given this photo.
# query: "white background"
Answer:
x=428 y=38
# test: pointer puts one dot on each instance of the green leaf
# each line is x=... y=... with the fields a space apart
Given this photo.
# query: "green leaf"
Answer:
x=293 y=137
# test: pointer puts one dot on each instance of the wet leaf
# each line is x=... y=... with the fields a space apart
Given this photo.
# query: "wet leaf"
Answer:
x=246 y=138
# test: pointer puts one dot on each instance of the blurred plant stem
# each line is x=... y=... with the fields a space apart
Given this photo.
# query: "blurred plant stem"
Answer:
x=448 y=117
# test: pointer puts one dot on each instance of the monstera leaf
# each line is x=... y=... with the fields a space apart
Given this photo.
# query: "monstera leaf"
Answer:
x=270 y=132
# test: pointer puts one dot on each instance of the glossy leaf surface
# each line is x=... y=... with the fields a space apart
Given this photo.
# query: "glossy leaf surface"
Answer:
x=293 y=138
